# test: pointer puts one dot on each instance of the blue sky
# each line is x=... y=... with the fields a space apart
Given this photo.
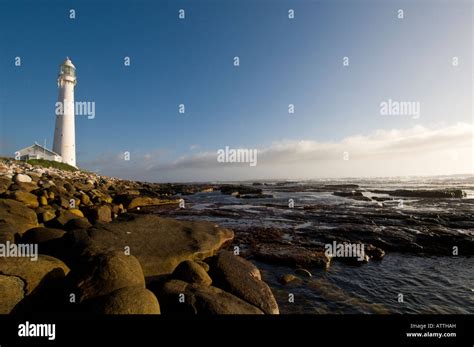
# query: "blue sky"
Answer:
x=282 y=61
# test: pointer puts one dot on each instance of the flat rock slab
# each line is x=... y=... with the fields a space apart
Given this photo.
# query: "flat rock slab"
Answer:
x=291 y=255
x=160 y=244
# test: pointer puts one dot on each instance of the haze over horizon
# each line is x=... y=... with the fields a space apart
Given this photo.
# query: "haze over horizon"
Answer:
x=337 y=129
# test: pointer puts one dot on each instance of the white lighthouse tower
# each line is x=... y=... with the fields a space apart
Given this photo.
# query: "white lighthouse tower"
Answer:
x=64 y=133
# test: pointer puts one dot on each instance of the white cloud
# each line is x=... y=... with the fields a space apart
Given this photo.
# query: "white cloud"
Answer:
x=396 y=152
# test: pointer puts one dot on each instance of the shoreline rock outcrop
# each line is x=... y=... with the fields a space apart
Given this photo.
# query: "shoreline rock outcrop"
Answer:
x=100 y=253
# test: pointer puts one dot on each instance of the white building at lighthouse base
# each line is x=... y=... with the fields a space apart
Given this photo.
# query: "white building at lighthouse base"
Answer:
x=37 y=151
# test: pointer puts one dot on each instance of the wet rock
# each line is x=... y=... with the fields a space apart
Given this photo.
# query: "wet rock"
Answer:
x=18 y=215
x=354 y=260
x=242 y=279
x=191 y=272
x=356 y=195
x=374 y=252
x=287 y=278
x=341 y=186
x=291 y=255
x=256 y=196
x=239 y=190
x=423 y=193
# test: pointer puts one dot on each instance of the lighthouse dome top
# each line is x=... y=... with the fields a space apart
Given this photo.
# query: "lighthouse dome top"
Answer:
x=68 y=62
x=67 y=70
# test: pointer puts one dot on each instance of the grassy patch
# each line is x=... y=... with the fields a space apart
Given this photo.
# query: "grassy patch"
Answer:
x=53 y=164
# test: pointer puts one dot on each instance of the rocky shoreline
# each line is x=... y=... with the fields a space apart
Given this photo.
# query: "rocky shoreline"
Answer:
x=99 y=253
x=114 y=246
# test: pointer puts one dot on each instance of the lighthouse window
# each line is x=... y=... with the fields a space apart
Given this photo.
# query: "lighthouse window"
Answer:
x=67 y=70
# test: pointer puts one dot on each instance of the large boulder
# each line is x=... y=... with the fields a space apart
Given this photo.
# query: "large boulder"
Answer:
x=45 y=214
x=7 y=232
x=241 y=278
x=30 y=200
x=18 y=215
x=179 y=296
x=63 y=217
x=127 y=300
x=85 y=199
x=131 y=201
x=160 y=244
x=11 y=292
x=83 y=186
x=98 y=213
x=24 y=186
x=33 y=273
x=147 y=201
x=43 y=200
x=100 y=196
x=104 y=273
x=5 y=183
x=78 y=223
x=21 y=178
x=41 y=235
x=49 y=240
x=192 y=272
x=435 y=193
x=77 y=212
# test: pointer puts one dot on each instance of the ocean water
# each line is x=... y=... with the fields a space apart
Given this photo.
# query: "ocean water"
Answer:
x=429 y=285
x=399 y=283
